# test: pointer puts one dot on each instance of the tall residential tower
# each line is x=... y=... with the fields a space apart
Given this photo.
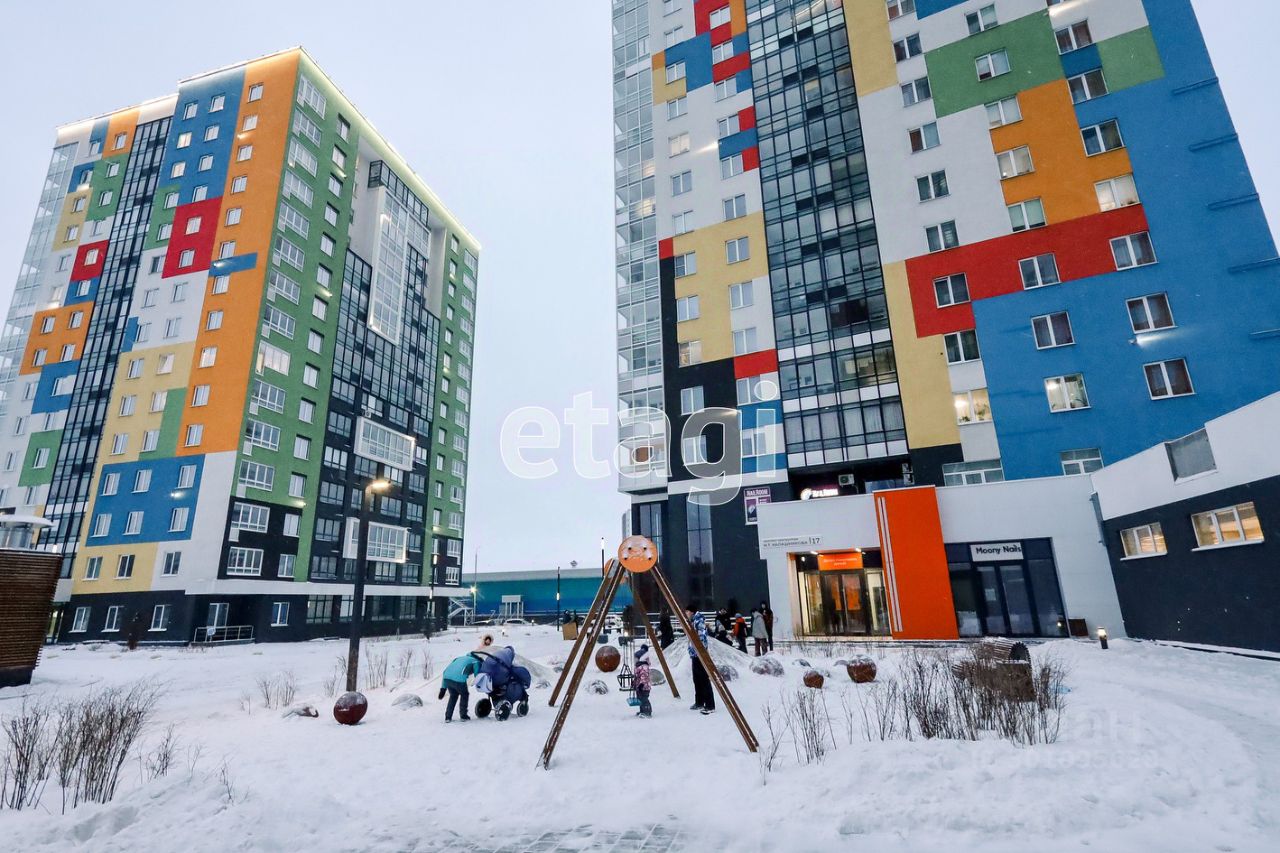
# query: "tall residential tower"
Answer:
x=238 y=307
x=919 y=241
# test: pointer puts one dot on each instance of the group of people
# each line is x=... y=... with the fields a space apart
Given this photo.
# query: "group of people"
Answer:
x=502 y=684
x=734 y=630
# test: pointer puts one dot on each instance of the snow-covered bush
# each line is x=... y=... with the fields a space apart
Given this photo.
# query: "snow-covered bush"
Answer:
x=768 y=665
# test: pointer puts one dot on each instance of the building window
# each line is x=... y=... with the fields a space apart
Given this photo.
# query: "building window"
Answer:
x=1100 y=138
x=1191 y=455
x=1233 y=525
x=972 y=473
x=93 y=569
x=113 y=619
x=686 y=264
x=172 y=562
x=932 y=186
x=741 y=295
x=898 y=8
x=194 y=435
x=951 y=290
x=677 y=107
x=727 y=126
x=1039 y=271
x=737 y=250
x=286 y=565
x=1087 y=86
x=142 y=481
x=1026 y=215
x=690 y=353
x=178 y=519
x=133 y=524
x=691 y=400
x=1133 y=250
x=973 y=406
x=1144 y=541
x=1015 y=162
x=244 y=561
x=992 y=64
x=80 y=622
x=725 y=89
x=681 y=183
x=676 y=145
x=1052 y=330
x=1073 y=37
x=744 y=341
x=124 y=566
x=186 y=476
x=924 y=137
x=1116 y=193
x=675 y=71
x=961 y=346
x=735 y=208
x=1168 y=379
x=686 y=309
x=279 y=614
x=941 y=237
x=731 y=166
x=905 y=48
x=916 y=91
x=255 y=92
x=160 y=617
x=1084 y=461
x=1066 y=392
x=1150 y=313
x=981 y=20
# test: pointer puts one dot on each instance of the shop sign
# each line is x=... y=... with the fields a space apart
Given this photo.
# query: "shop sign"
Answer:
x=824 y=492
x=841 y=561
x=996 y=551
x=751 y=500
x=804 y=542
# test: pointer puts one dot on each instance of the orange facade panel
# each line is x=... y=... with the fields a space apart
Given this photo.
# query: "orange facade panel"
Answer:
x=241 y=305
x=1064 y=175
x=124 y=122
x=67 y=327
x=915 y=565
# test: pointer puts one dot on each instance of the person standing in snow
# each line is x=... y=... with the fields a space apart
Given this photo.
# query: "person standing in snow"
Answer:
x=759 y=632
x=703 y=699
x=455 y=683
x=767 y=613
x=666 y=634
x=740 y=633
x=643 y=681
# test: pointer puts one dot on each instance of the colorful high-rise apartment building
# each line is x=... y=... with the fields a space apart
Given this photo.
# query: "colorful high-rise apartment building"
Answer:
x=238 y=308
x=918 y=242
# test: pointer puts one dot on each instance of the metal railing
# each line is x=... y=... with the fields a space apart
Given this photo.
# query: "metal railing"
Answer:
x=210 y=635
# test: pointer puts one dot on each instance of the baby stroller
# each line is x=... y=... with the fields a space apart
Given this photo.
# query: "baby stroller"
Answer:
x=506 y=685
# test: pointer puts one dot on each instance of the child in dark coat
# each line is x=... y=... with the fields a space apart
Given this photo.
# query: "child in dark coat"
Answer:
x=643 y=681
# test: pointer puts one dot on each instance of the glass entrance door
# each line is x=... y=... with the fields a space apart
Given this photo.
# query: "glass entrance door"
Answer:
x=844 y=603
x=218 y=615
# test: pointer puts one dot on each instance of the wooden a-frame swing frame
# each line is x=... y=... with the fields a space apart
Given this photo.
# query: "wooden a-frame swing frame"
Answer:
x=575 y=666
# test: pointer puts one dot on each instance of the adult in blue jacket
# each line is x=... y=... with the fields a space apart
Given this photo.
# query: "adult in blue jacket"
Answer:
x=455 y=682
x=704 y=698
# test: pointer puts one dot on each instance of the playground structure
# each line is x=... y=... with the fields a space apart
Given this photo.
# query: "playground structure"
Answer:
x=636 y=556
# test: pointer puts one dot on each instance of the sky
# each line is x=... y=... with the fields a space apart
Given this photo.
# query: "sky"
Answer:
x=504 y=107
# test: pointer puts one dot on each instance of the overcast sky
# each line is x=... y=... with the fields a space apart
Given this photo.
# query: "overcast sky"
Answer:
x=504 y=108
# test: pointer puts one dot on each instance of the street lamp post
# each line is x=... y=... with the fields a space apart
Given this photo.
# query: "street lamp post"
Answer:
x=557 y=592
x=378 y=484
x=601 y=555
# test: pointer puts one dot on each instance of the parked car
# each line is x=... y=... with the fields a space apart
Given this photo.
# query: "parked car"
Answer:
x=517 y=621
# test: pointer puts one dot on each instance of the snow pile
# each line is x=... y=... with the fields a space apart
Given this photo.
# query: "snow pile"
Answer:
x=1161 y=749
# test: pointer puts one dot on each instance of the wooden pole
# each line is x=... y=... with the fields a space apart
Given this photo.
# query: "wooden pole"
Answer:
x=653 y=639
x=705 y=658
x=577 y=643
x=612 y=582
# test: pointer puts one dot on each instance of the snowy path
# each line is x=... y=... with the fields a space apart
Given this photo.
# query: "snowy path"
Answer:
x=1162 y=749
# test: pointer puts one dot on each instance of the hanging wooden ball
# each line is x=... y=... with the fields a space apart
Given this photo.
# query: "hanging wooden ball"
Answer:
x=608 y=658
x=637 y=554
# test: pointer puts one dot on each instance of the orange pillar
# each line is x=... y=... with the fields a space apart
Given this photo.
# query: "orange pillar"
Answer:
x=915 y=565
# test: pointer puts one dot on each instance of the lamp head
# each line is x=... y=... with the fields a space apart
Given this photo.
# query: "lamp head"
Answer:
x=379 y=485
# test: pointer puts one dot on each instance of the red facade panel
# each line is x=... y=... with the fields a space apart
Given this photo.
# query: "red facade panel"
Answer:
x=89 y=260
x=200 y=241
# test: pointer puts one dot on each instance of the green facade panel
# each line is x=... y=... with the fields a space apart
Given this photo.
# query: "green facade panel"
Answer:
x=1033 y=61
x=48 y=441
x=1130 y=59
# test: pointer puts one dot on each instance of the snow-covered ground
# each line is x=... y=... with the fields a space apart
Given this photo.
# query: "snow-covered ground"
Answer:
x=1161 y=749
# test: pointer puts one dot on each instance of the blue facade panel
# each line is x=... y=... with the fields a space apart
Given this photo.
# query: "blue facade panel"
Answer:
x=239 y=263
x=200 y=94
x=539 y=594
x=925 y=8
x=1205 y=225
x=45 y=400
x=736 y=143
x=162 y=496
x=695 y=53
x=1082 y=60
x=82 y=291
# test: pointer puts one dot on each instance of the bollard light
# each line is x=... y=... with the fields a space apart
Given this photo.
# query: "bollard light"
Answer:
x=1102 y=637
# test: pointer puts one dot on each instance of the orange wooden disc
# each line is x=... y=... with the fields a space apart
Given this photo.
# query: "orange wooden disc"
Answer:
x=637 y=554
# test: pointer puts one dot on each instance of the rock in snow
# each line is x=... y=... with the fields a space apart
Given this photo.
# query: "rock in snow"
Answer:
x=727 y=671
x=768 y=666
x=597 y=687
x=302 y=710
x=407 y=700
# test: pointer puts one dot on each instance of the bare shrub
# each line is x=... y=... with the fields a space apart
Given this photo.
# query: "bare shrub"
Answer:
x=404 y=664
x=775 y=724
x=277 y=691
x=375 y=670
x=809 y=724
x=428 y=664
x=337 y=676
x=159 y=760
x=31 y=748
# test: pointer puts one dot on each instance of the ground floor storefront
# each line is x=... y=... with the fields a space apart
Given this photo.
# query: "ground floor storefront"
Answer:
x=1019 y=559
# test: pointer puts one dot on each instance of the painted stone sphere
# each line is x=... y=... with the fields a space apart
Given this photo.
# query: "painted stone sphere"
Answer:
x=608 y=659
x=350 y=708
